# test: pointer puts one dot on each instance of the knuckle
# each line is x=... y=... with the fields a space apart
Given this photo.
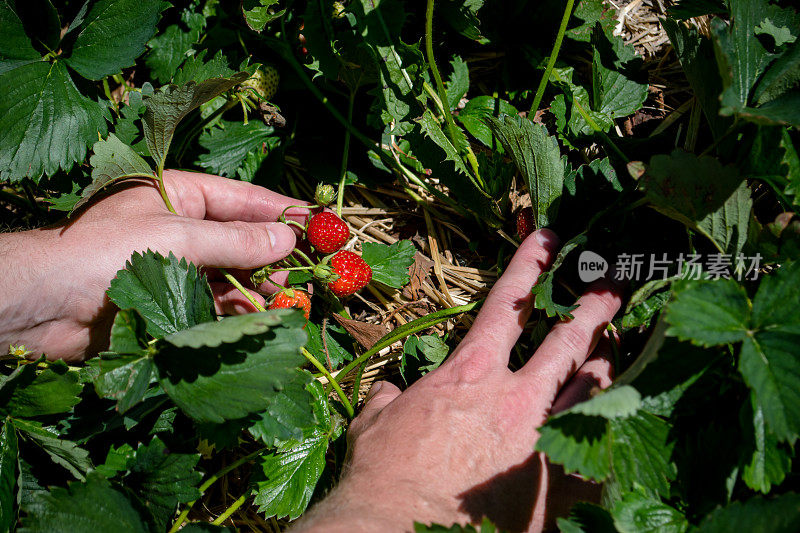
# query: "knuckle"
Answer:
x=575 y=338
x=514 y=297
x=251 y=242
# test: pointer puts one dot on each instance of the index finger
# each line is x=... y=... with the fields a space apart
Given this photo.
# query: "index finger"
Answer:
x=509 y=304
x=228 y=199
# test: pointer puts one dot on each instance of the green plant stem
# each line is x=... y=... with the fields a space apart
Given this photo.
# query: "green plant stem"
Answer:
x=466 y=151
x=345 y=155
x=107 y=91
x=163 y=191
x=357 y=382
x=210 y=481
x=339 y=392
x=230 y=510
x=235 y=283
x=404 y=331
x=551 y=62
x=287 y=269
x=304 y=256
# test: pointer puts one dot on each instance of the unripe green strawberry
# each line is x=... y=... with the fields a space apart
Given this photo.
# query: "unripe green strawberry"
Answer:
x=264 y=81
x=325 y=194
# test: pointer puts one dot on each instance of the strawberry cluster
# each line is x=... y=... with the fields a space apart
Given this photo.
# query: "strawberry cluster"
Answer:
x=342 y=271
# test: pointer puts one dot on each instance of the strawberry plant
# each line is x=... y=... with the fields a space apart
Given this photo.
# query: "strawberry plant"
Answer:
x=659 y=140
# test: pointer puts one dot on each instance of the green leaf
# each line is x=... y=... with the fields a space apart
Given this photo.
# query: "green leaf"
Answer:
x=765 y=461
x=538 y=158
x=230 y=329
x=389 y=262
x=619 y=402
x=399 y=65
x=431 y=128
x=757 y=515
x=128 y=333
x=587 y=518
x=781 y=35
x=543 y=290
x=40 y=106
x=781 y=76
x=727 y=226
x=229 y=145
x=422 y=355
x=287 y=415
x=162 y=479
x=212 y=385
x=615 y=93
x=259 y=13
x=637 y=513
x=338 y=342
x=743 y=59
x=717 y=206
x=457 y=84
x=170 y=104
x=286 y=478
x=112 y=36
x=666 y=378
x=581 y=113
x=197 y=69
x=9 y=455
x=462 y=15
x=87 y=507
x=768 y=360
x=635 y=450
x=168 y=50
x=170 y=294
x=67 y=200
x=125 y=379
x=709 y=313
x=475 y=114
x=745 y=56
x=15 y=46
x=112 y=160
x=696 y=52
x=62 y=452
x=27 y=394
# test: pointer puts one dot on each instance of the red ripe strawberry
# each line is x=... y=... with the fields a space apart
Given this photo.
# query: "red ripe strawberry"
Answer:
x=354 y=273
x=326 y=232
x=292 y=299
x=525 y=225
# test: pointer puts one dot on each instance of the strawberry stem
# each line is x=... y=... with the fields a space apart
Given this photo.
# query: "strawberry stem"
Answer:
x=304 y=256
x=324 y=371
x=210 y=481
x=235 y=283
x=551 y=62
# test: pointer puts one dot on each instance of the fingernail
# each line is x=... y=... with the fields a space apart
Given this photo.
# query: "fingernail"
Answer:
x=376 y=387
x=547 y=238
x=281 y=237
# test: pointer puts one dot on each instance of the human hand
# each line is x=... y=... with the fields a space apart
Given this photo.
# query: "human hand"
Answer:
x=458 y=444
x=54 y=279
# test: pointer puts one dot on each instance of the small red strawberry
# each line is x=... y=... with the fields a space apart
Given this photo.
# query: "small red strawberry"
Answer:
x=525 y=225
x=292 y=298
x=326 y=232
x=354 y=273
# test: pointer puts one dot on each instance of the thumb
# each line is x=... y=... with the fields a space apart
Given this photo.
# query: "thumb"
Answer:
x=379 y=396
x=237 y=244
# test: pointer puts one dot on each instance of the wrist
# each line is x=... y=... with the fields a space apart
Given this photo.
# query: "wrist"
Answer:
x=26 y=274
x=373 y=503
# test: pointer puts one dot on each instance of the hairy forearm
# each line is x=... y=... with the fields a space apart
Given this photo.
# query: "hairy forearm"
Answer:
x=28 y=270
x=371 y=503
